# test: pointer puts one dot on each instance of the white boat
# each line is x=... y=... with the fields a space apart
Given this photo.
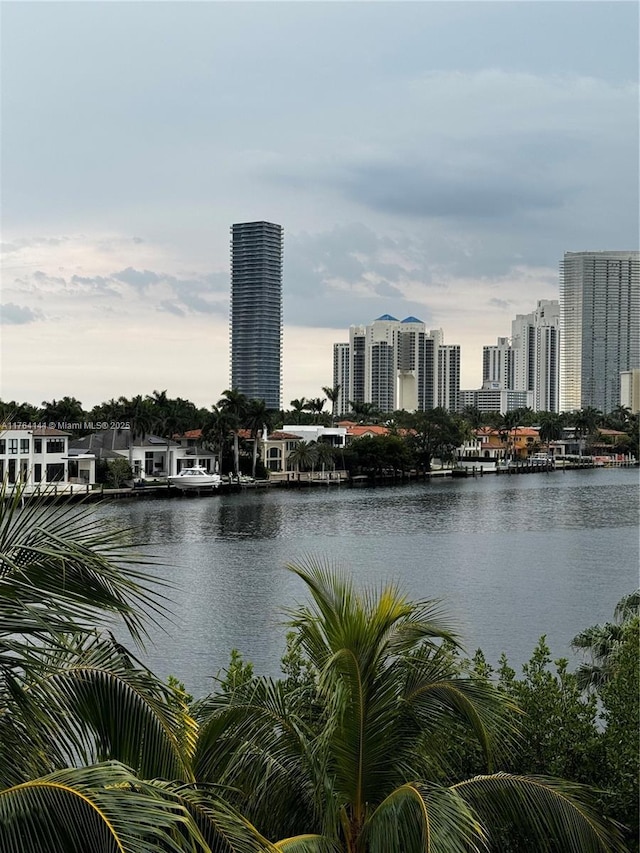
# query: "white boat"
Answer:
x=195 y=478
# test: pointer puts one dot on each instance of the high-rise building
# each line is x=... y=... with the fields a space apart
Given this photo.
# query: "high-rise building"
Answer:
x=341 y=378
x=497 y=363
x=449 y=377
x=256 y=311
x=535 y=341
x=395 y=364
x=600 y=322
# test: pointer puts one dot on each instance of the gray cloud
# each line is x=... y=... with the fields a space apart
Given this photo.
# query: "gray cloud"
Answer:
x=140 y=279
x=425 y=191
x=171 y=308
x=344 y=276
x=17 y=315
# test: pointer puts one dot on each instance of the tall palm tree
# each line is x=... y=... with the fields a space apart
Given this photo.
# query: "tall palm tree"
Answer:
x=365 y=413
x=333 y=395
x=218 y=430
x=234 y=403
x=359 y=763
x=586 y=421
x=551 y=427
x=298 y=407
x=316 y=405
x=139 y=413
x=257 y=418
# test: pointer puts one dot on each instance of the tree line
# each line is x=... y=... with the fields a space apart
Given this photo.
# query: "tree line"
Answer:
x=378 y=737
x=414 y=438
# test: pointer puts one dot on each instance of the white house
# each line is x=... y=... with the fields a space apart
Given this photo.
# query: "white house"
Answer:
x=277 y=446
x=38 y=456
x=151 y=456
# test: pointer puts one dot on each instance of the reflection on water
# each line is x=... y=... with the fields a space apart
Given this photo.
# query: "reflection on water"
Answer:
x=513 y=557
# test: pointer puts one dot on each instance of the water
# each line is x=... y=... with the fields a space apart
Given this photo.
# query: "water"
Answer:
x=512 y=558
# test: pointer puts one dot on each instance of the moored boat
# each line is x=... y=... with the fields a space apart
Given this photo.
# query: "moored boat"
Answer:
x=195 y=478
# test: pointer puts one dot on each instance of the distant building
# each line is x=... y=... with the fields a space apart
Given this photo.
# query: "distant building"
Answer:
x=492 y=397
x=396 y=364
x=630 y=390
x=535 y=340
x=600 y=321
x=256 y=311
x=529 y=361
x=449 y=377
x=497 y=363
x=341 y=378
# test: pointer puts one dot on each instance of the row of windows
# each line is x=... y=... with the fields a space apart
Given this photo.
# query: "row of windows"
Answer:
x=12 y=446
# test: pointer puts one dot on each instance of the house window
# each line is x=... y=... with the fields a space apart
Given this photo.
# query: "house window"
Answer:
x=37 y=445
x=55 y=472
x=1 y=470
x=24 y=445
x=24 y=470
x=13 y=445
x=55 y=445
x=3 y=445
x=37 y=472
x=11 y=472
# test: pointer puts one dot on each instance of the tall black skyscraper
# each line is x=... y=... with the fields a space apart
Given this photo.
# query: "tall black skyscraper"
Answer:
x=256 y=311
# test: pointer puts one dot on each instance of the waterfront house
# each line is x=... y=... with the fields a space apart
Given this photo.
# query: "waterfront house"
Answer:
x=151 y=456
x=275 y=449
x=517 y=443
x=39 y=456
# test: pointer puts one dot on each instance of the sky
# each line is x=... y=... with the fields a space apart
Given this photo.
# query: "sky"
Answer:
x=433 y=159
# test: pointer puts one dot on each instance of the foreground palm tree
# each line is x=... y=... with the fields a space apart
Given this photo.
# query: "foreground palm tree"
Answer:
x=91 y=743
x=361 y=761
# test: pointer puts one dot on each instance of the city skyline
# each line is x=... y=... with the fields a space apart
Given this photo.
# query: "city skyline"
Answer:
x=433 y=160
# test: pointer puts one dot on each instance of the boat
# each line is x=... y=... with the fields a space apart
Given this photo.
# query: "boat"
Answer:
x=195 y=478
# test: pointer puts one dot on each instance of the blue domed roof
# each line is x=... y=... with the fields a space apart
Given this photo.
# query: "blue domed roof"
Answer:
x=411 y=320
x=386 y=317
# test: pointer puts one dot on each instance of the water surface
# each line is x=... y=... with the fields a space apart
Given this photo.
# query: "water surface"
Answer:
x=513 y=557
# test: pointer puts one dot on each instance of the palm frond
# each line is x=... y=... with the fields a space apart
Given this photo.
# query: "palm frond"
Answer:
x=62 y=568
x=103 y=808
x=307 y=844
x=558 y=815
x=418 y=817
x=224 y=829
x=101 y=704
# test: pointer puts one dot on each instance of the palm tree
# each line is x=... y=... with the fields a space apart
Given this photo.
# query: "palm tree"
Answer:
x=364 y=413
x=315 y=405
x=585 y=421
x=298 y=407
x=601 y=642
x=473 y=416
x=333 y=395
x=507 y=425
x=257 y=418
x=324 y=454
x=139 y=414
x=360 y=762
x=303 y=455
x=551 y=427
x=90 y=741
x=234 y=403
x=218 y=428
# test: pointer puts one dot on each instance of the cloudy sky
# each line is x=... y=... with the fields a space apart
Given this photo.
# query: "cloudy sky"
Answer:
x=434 y=159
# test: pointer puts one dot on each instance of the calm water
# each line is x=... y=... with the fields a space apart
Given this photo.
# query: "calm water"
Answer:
x=512 y=557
